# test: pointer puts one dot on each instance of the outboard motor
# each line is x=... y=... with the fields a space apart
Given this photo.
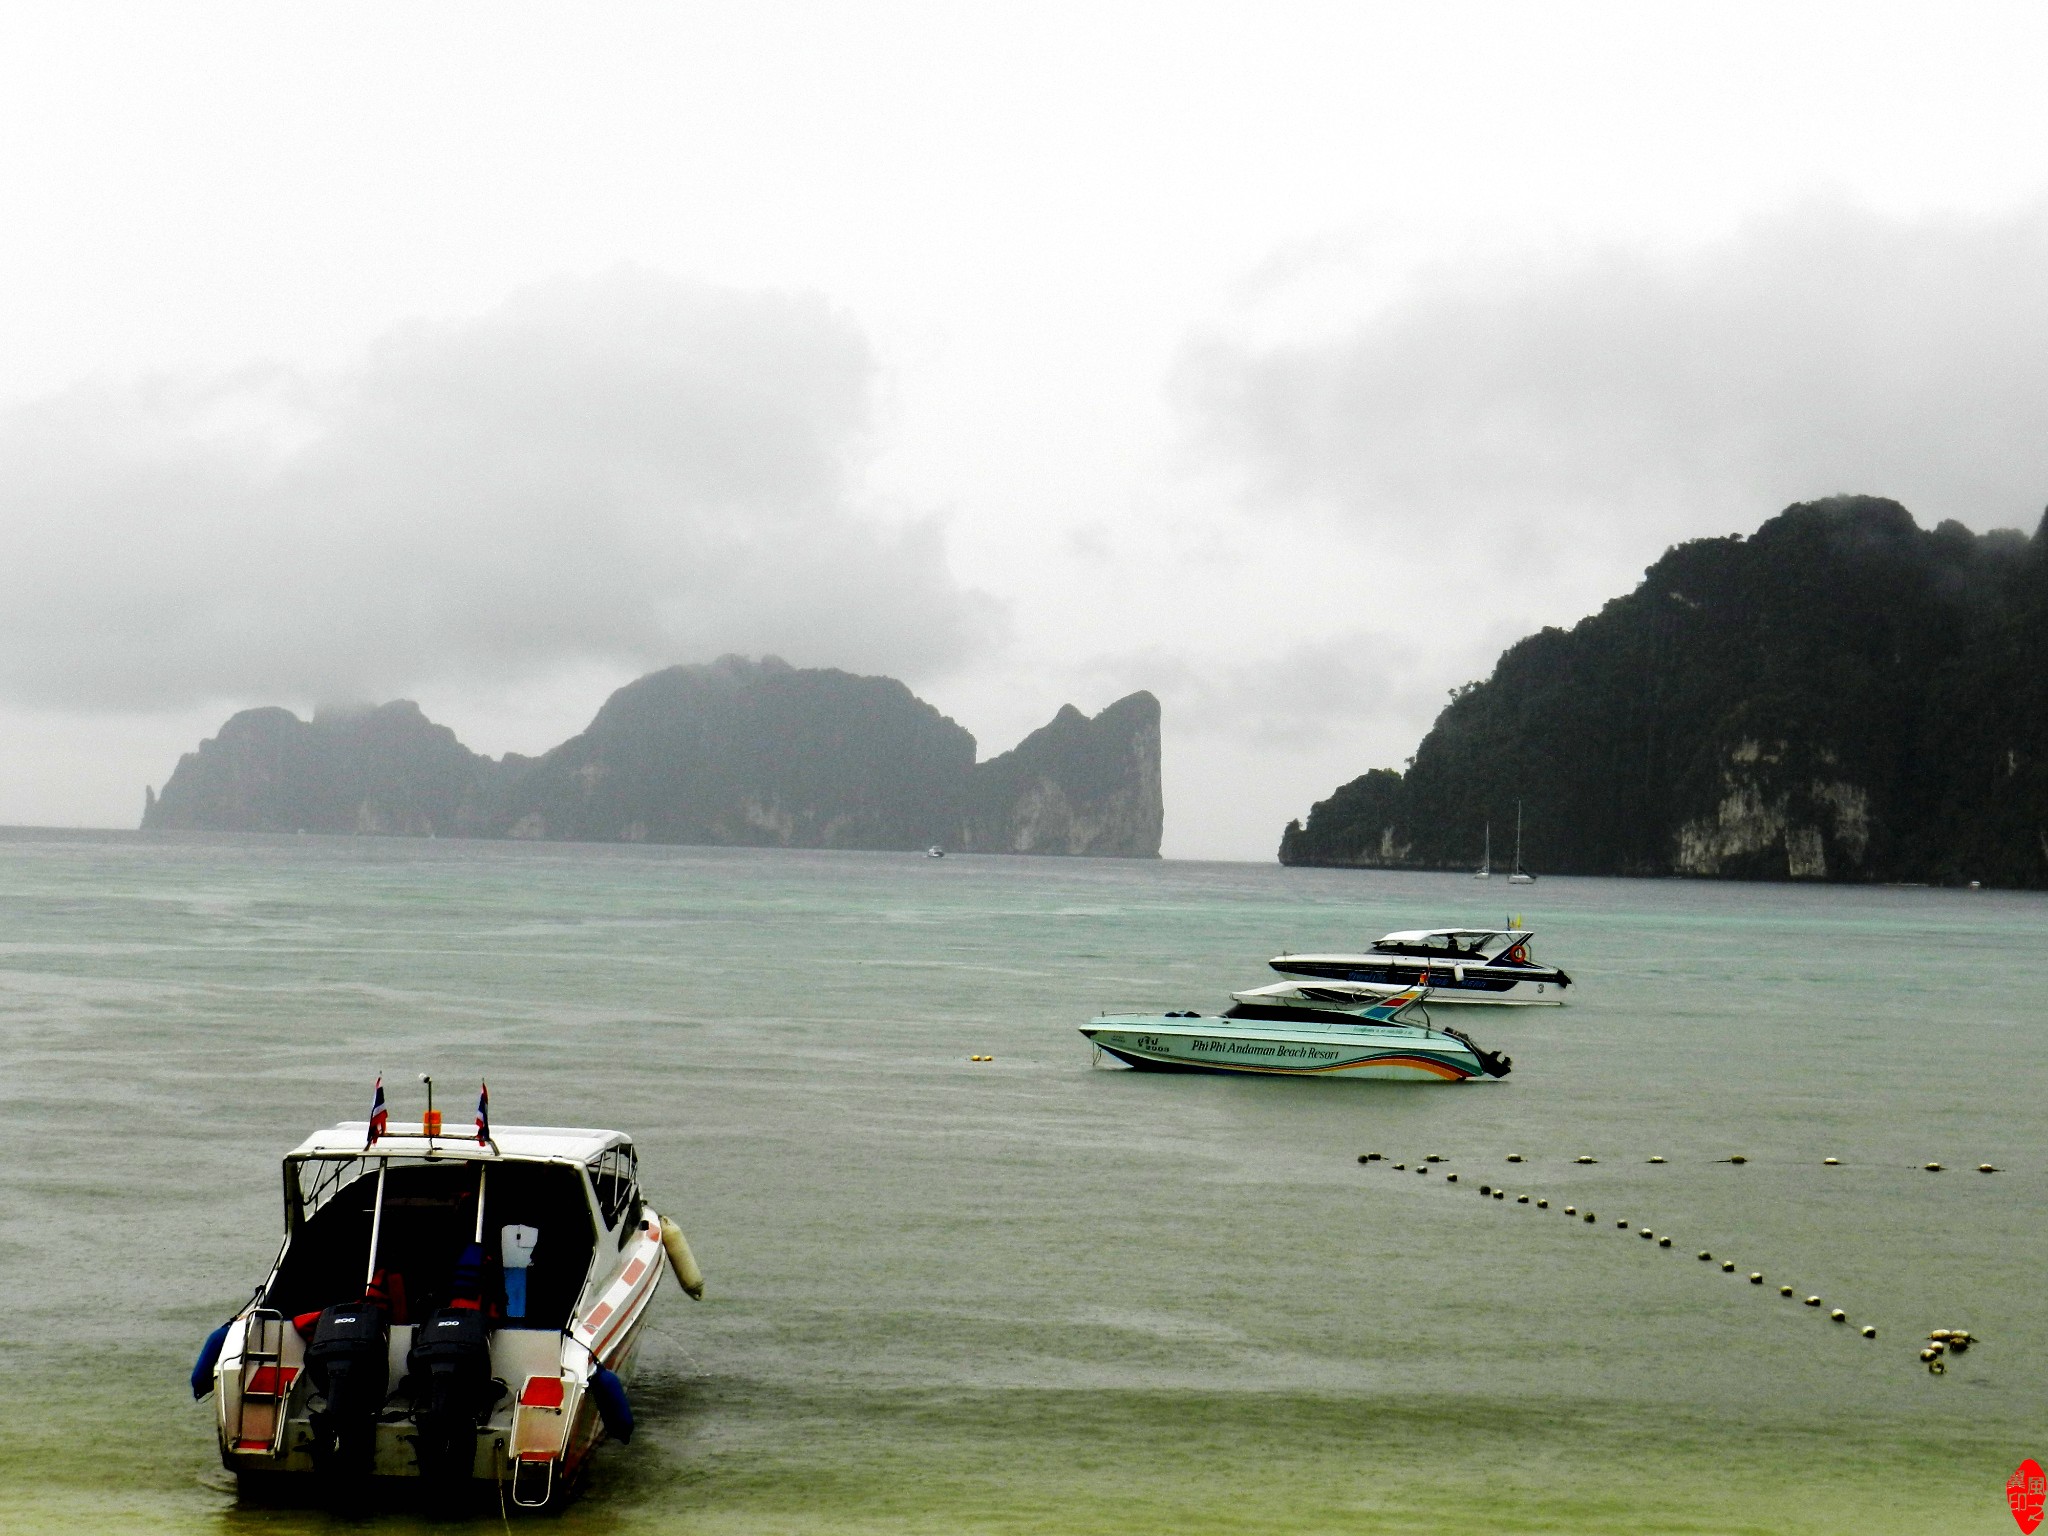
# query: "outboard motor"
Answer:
x=349 y=1363
x=452 y=1389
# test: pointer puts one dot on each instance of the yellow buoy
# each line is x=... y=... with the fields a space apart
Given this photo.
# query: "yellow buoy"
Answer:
x=1870 y=1333
x=681 y=1260
x=1756 y=1277
x=1737 y=1159
x=1400 y=1167
x=1514 y=1157
x=1521 y=1199
x=1663 y=1242
x=1986 y=1168
x=1585 y=1159
x=1500 y=1194
x=1934 y=1167
x=1571 y=1210
x=1623 y=1225
x=1542 y=1205
x=1784 y=1290
x=1704 y=1255
x=1433 y=1158
x=1941 y=1335
x=1838 y=1315
x=1936 y=1368
x=1831 y=1162
x=1813 y=1301
x=1727 y=1266
x=1656 y=1159
x=1647 y=1233
x=1450 y=1178
x=1590 y=1216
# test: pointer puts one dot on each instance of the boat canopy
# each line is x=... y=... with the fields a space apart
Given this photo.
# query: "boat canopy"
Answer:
x=1453 y=943
x=522 y=1143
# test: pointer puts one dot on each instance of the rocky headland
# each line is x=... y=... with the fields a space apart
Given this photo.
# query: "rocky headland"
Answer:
x=1842 y=695
x=734 y=753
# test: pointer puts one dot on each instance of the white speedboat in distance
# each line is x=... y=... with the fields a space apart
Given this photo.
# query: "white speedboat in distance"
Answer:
x=462 y=1309
x=1459 y=965
x=1392 y=1039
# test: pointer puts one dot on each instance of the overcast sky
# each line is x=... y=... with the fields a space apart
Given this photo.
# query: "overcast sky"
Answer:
x=1286 y=360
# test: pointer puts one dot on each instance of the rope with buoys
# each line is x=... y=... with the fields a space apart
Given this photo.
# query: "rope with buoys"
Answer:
x=1941 y=1342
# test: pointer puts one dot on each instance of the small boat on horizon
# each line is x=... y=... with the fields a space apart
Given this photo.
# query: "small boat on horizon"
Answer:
x=1485 y=869
x=1519 y=875
x=463 y=1310
x=1393 y=1040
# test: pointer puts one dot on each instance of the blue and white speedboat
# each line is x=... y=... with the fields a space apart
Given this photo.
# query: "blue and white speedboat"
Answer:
x=1392 y=1039
x=1489 y=966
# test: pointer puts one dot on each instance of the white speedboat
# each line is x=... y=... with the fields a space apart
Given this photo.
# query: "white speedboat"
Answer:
x=1459 y=965
x=1393 y=1039
x=460 y=1309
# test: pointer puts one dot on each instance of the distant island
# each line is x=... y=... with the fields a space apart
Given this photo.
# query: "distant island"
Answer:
x=738 y=752
x=1843 y=695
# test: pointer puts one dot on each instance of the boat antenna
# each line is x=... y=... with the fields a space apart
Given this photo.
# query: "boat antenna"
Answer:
x=376 y=1225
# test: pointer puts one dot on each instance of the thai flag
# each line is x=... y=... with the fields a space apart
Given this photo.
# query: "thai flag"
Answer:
x=380 y=1117
x=483 y=1114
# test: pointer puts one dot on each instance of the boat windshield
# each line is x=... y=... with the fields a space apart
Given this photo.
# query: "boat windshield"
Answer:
x=429 y=1216
x=1449 y=944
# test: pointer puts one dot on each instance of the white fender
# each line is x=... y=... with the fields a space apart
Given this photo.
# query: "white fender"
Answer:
x=681 y=1260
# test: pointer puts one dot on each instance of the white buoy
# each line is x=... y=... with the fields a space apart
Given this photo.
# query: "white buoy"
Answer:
x=681 y=1260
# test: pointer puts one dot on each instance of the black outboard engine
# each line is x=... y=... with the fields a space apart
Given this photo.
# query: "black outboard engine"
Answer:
x=349 y=1363
x=452 y=1389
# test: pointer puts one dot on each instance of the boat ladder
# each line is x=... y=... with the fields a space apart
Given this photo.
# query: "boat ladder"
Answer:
x=263 y=1387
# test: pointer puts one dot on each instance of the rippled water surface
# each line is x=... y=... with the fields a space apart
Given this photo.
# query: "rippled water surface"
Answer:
x=1034 y=1294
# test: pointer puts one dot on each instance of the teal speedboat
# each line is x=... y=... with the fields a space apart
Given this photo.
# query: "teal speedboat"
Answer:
x=1392 y=1040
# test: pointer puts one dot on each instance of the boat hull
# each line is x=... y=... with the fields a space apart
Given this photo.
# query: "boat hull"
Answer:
x=1468 y=986
x=1395 y=1053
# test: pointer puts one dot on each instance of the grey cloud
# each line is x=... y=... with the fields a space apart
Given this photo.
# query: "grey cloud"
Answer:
x=623 y=469
x=1306 y=693
x=1826 y=349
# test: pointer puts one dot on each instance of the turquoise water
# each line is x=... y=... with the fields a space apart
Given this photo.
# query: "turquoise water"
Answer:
x=1036 y=1295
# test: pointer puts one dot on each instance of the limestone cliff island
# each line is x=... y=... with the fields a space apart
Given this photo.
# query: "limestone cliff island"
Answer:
x=738 y=752
x=1843 y=695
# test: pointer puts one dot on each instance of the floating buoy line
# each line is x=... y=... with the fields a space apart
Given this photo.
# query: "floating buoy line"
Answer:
x=1941 y=1342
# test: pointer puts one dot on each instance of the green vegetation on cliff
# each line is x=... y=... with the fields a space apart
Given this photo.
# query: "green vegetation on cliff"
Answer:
x=1841 y=695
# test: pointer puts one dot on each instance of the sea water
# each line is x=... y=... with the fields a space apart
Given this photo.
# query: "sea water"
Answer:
x=1041 y=1293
